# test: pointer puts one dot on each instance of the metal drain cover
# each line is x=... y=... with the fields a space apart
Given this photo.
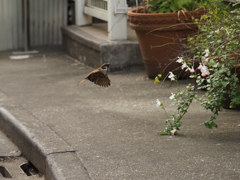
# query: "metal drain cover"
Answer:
x=18 y=168
x=12 y=165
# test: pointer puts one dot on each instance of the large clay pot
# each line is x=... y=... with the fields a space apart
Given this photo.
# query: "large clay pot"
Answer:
x=162 y=38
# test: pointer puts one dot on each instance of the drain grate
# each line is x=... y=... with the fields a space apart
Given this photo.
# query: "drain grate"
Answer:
x=4 y=172
x=13 y=165
x=29 y=169
x=18 y=168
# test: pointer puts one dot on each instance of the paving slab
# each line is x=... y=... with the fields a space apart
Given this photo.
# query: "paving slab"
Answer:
x=111 y=132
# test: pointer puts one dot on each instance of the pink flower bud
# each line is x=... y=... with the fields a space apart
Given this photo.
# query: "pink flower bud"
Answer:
x=192 y=70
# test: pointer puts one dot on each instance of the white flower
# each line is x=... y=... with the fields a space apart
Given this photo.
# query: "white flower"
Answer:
x=180 y=59
x=205 y=71
x=200 y=66
x=172 y=96
x=184 y=65
x=171 y=76
x=173 y=132
x=227 y=32
x=207 y=53
x=192 y=70
x=158 y=103
x=217 y=31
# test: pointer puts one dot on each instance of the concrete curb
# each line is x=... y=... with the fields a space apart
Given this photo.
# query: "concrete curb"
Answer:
x=58 y=161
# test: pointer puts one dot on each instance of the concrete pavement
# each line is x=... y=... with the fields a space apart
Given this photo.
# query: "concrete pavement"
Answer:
x=89 y=132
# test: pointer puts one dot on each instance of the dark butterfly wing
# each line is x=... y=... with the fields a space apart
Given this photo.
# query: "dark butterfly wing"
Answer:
x=99 y=78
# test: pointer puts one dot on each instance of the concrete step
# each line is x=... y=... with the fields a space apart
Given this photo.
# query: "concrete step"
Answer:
x=90 y=45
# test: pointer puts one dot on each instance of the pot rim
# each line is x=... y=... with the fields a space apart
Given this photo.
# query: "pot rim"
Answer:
x=132 y=12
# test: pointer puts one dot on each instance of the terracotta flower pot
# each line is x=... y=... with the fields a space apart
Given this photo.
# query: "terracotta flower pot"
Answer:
x=162 y=38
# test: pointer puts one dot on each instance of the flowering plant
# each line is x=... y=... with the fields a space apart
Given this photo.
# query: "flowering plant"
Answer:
x=212 y=60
